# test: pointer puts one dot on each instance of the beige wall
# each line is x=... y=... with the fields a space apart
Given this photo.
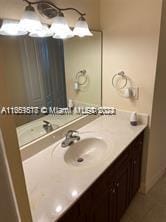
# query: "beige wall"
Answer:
x=131 y=35
x=157 y=145
x=84 y=54
x=14 y=9
x=131 y=31
x=12 y=151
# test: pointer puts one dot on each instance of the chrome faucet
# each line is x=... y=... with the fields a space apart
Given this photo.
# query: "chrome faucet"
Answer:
x=71 y=137
x=47 y=126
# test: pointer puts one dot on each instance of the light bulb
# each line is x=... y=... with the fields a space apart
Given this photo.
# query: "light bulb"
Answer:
x=60 y=27
x=81 y=28
x=10 y=27
x=43 y=32
x=30 y=21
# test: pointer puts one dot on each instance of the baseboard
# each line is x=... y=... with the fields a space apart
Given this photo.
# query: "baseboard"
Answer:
x=145 y=187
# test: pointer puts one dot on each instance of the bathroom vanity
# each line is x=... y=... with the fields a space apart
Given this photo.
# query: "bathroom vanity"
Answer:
x=100 y=187
x=109 y=196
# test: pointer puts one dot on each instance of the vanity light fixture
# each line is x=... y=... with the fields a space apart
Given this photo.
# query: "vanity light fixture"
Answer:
x=43 y=32
x=11 y=28
x=60 y=27
x=81 y=28
x=30 y=22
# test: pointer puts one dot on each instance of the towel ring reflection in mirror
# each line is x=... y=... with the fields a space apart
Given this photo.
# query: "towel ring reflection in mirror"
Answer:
x=81 y=79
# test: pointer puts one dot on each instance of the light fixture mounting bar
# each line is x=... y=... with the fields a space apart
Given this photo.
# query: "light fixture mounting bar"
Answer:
x=51 y=4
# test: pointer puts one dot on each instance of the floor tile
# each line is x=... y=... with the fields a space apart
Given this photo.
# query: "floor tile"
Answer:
x=156 y=214
x=126 y=218
x=150 y=207
x=158 y=192
x=140 y=206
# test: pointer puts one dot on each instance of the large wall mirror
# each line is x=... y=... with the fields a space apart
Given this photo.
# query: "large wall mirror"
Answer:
x=47 y=72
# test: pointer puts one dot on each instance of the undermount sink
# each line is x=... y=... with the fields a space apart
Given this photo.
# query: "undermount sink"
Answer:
x=86 y=152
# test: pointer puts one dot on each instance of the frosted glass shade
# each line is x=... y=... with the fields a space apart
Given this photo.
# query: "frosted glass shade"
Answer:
x=60 y=28
x=10 y=28
x=43 y=32
x=30 y=21
x=63 y=36
x=81 y=28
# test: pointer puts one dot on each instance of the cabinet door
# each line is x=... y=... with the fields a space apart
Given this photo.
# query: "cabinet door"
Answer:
x=112 y=204
x=136 y=174
x=136 y=166
x=85 y=207
x=100 y=211
x=122 y=190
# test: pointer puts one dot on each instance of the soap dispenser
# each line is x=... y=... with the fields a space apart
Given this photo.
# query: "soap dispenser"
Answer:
x=70 y=104
x=133 y=119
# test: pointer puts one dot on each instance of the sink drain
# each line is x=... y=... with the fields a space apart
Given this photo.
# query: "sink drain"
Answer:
x=80 y=160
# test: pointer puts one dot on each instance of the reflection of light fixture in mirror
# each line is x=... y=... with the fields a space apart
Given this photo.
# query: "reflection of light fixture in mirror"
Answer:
x=60 y=27
x=74 y=193
x=43 y=32
x=58 y=209
x=81 y=28
x=10 y=27
x=30 y=21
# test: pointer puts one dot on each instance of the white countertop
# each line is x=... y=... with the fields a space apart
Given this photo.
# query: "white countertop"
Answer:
x=53 y=186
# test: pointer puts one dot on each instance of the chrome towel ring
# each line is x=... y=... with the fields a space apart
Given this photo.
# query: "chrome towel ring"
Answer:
x=123 y=76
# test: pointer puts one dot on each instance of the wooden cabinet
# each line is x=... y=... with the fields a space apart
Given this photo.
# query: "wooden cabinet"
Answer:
x=136 y=164
x=108 y=198
x=122 y=191
x=112 y=204
x=100 y=210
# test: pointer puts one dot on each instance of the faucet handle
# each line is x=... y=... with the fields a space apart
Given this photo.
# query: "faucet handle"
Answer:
x=46 y=122
x=70 y=133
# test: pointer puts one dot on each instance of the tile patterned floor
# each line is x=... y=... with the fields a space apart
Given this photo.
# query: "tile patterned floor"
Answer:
x=150 y=207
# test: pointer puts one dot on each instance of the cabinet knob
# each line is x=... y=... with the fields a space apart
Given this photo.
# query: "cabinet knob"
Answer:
x=135 y=162
x=117 y=184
